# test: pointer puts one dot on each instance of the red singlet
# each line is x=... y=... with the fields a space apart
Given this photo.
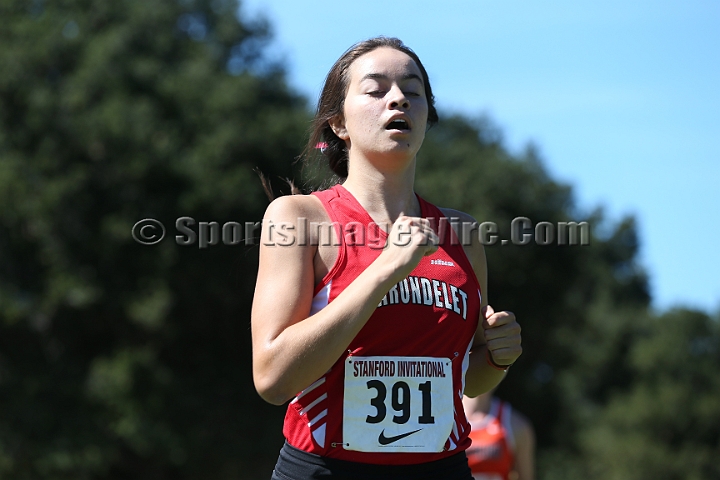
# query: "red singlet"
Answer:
x=395 y=396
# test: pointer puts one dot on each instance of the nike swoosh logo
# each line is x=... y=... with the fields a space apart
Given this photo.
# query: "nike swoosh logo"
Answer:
x=383 y=440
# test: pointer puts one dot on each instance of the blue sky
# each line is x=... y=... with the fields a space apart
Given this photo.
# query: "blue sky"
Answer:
x=622 y=99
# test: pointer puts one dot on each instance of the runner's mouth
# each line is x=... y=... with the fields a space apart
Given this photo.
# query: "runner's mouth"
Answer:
x=398 y=124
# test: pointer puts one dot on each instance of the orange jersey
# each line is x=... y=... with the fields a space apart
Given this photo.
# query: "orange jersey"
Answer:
x=491 y=454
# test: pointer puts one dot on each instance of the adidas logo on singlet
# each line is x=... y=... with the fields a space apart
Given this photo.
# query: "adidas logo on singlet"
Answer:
x=442 y=262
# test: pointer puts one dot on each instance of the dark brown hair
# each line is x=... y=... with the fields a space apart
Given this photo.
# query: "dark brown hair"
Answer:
x=332 y=100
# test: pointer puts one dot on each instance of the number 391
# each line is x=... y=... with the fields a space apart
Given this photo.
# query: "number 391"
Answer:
x=400 y=399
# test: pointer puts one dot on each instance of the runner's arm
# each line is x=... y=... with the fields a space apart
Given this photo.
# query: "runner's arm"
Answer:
x=292 y=349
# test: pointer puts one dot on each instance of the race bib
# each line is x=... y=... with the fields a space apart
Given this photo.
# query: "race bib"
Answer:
x=397 y=404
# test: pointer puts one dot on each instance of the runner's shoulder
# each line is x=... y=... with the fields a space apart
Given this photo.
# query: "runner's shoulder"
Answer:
x=292 y=208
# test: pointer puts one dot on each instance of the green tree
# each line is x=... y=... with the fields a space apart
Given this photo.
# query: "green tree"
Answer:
x=119 y=360
x=664 y=422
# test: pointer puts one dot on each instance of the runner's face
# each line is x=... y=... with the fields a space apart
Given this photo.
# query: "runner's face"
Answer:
x=385 y=108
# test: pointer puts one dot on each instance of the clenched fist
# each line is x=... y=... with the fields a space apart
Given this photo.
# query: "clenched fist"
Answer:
x=502 y=336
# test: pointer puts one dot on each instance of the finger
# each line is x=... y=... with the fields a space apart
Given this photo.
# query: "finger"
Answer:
x=506 y=355
x=495 y=320
x=498 y=349
x=511 y=332
x=429 y=233
x=432 y=237
x=431 y=250
x=498 y=319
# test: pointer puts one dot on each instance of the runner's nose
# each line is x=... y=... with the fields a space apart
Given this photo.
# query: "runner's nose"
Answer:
x=398 y=98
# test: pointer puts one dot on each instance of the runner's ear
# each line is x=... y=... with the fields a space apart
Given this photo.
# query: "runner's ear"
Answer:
x=337 y=123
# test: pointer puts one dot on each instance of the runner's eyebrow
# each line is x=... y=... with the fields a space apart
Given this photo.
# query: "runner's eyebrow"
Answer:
x=380 y=76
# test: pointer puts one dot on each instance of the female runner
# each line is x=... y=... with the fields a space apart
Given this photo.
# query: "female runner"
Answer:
x=369 y=314
x=503 y=440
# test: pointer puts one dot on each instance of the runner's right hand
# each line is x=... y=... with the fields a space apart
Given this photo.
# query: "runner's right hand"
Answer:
x=409 y=240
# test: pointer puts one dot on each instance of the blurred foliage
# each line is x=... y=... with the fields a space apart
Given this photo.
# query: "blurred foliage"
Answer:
x=119 y=360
